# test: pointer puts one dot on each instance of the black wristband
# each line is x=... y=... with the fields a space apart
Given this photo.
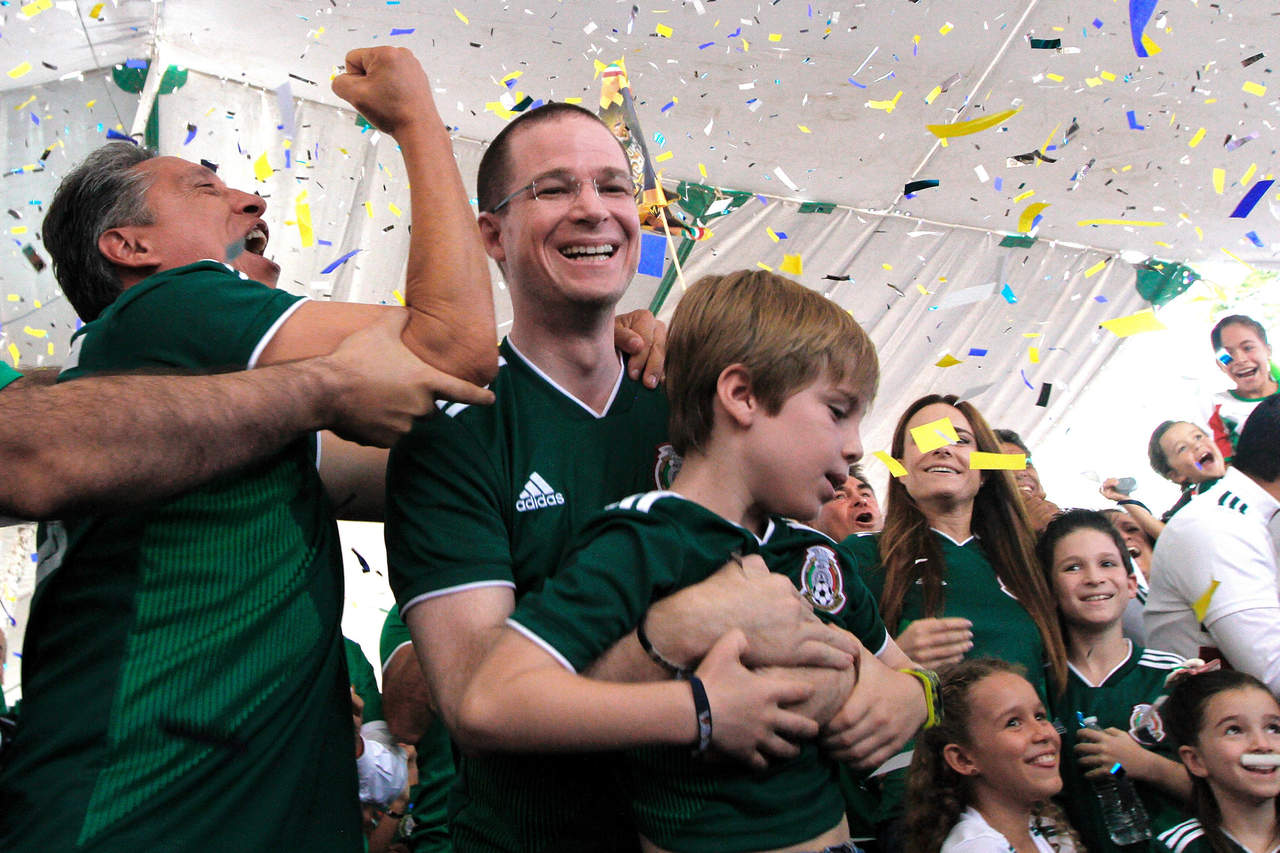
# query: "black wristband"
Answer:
x=702 y=708
x=1132 y=502
x=676 y=671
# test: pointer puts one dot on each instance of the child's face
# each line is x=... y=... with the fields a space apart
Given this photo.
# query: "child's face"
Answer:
x=1236 y=723
x=1250 y=366
x=1089 y=579
x=801 y=455
x=1012 y=755
x=1192 y=455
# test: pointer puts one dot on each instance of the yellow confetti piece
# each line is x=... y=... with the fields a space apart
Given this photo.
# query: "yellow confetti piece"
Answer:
x=1023 y=196
x=19 y=107
x=398 y=297
x=803 y=128
x=964 y=128
x=15 y=354
x=663 y=30
x=462 y=17
x=764 y=266
x=13 y=297
x=1195 y=140
x=35 y=7
x=664 y=156
x=887 y=106
x=1140 y=223
x=1057 y=78
x=929 y=98
x=1248 y=175
x=1029 y=214
x=1034 y=354
x=262 y=169
x=894 y=466
x=886 y=267
x=1031 y=334
x=923 y=291
x=1254 y=88
x=934 y=434
x=775 y=36
x=368 y=209
x=35 y=333
x=391 y=207
x=946 y=28
x=947 y=360
x=1093 y=82
x=792 y=264
x=18 y=229
x=1219 y=179
x=980 y=460
x=20 y=70
x=1133 y=324
x=1236 y=257
x=702 y=170
x=773 y=235
x=1151 y=47
x=1201 y=605
x=306 y=234
x=1095 y=269
x=1108 y=76
x=96 y=10
x=89 y=104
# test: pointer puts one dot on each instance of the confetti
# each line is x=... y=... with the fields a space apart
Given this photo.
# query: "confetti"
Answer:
x=1133 y=324
x=792 y=264
x=887 y=106
x=1251 y=199
x=1139 y=14
x=339 y=262
x=895 y=467
x=20 y=70
x=1254 y=88
x=1133 y=121
x=1140 y=223
x=976 y=353
x=934 y=434
x=980 y=460
x=262 y=169
x=96 y=11
x=916 y=186
x=947 y=360
x=462 y=17
x=1026 y=221
x=1201 y=605
x=1096 y=268
x=1045 y=389
x=1007 y=293
x=964 y=128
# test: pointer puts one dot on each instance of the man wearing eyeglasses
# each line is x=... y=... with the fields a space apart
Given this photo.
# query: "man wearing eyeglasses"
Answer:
x=482 y=503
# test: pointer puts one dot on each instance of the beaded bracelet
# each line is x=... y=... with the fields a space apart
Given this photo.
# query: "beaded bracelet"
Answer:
x=676 y=671
x=701 y=707
x=932 y=694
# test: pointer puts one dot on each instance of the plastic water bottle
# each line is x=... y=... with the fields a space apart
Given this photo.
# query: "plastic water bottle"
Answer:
x=1122 y=812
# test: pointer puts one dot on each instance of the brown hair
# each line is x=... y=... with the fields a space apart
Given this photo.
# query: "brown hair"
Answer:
x=785 y=334
x=936 y=794
x=1001 y=524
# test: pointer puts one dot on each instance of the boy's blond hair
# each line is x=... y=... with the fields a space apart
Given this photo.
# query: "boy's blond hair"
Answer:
x=785 y=334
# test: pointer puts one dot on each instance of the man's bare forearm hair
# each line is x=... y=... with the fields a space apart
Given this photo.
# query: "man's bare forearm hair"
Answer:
x=108 y=442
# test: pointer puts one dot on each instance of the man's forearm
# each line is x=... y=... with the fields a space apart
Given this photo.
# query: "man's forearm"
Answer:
x=107 y=442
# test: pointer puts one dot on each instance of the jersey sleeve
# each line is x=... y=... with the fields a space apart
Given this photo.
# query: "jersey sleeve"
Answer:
x=200 y=317
x=394 y=635
x=860 y=615
x=445 y=529
x=624 y=563
x=1235 y=552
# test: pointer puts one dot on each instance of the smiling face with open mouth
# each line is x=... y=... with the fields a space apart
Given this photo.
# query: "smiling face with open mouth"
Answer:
x=942 y=474
x=1250 y=361
x=1237 y=745
x=198 y=217
x=1191 y=454
x=1090 y=580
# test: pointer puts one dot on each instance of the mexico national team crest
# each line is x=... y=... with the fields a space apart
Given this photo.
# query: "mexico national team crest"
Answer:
x=1145 y=725
x=666 y=466
x=821 y=579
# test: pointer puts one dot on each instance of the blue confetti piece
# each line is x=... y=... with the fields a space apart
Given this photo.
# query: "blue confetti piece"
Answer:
x=977 y=353
x=1251 y=198
x=1097 y=23
x=288 y=161
x=364 y=564
x=998 y=184
x=1100 y=298
x=1007 y=293
x=782 y=235
x=339 y=262
x=320 y=242
x=35 y=118
x=135 y=63
x=400 y=31
x=191 y=134
x=1140 y=12
x=856 y=83
x=705 y=45
x=1253 y=238
x=1133 y=122
x=653 y=254
x=735 y=33
x=668 y=106
x=1026 y=381
x=112 y=133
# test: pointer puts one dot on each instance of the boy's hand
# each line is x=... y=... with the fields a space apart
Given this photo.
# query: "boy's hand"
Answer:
x=749 y=720
x=1098 y=751
x=883 y=712
x=643 y=337
x=934 y=643
x=387 y=86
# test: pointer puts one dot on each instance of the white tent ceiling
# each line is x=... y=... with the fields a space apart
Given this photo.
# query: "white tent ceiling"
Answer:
x=791 y=100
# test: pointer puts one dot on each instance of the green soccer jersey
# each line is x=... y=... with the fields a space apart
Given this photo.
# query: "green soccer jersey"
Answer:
x=183 y=676
x=8 y=374
x=1124 y=700
x=643 y=549
x=490 y=495
x=429 y=798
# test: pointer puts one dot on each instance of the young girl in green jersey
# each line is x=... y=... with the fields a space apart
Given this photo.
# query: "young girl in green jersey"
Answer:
x=1111 y=682
x=981 y=780
x=1227 y=725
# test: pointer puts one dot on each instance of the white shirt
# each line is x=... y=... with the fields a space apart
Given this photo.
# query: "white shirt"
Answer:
x=1227 y=536
x=972 y=834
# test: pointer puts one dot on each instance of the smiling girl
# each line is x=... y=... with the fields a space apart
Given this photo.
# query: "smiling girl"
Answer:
x=1228 y=727
x=980 y=781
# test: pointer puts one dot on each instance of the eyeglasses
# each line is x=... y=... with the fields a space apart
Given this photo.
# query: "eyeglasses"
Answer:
x=565 y=189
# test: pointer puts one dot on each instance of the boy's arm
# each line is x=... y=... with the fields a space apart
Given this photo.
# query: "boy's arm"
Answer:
x=1097 y=751
x=406 y=699
x=521 y=699
x=447 y=289
x=884 y=711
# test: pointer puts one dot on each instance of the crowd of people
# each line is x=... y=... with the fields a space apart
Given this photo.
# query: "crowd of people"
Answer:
x=647 y=600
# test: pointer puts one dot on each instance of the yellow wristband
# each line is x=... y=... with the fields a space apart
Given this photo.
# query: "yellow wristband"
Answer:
x=932 y=694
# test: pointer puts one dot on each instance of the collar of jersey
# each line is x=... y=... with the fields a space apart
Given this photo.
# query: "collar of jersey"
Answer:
x=561 y=390
x=1258 y=498
x=972 y=536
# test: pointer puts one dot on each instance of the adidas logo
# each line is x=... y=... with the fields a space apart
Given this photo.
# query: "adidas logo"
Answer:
x=537 y=494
